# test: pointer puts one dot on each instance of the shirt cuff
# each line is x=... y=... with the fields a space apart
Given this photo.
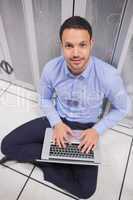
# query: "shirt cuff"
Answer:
x=54 y=120
x=100 y=127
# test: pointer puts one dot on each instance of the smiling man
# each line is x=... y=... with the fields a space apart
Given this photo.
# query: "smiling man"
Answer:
x=80 y=82
x=76 y=44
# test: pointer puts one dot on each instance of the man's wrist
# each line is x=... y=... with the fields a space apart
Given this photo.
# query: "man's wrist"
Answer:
x=57 y=124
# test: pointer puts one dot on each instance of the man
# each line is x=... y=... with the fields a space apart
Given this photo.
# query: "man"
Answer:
x=79 y=82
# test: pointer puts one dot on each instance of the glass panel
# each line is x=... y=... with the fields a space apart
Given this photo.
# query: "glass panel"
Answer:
x=1 y=56
x=104 y=16
x=11 y=12
x=47 y=17
x=127 y=75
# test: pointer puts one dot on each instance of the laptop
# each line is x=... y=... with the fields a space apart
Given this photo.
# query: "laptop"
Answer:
x=51 y=153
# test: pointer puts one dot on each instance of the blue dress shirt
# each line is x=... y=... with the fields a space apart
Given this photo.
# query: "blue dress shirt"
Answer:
x=80 y=98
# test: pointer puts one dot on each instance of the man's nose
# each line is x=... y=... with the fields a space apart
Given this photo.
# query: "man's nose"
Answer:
x=76 y=52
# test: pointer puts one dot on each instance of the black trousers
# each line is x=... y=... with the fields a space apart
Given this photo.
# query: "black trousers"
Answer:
x=24 y=144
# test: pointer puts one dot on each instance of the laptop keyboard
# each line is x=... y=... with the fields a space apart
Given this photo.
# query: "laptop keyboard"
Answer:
x=71 y=151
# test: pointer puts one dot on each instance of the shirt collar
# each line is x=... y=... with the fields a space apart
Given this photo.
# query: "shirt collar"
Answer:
x=84 y=74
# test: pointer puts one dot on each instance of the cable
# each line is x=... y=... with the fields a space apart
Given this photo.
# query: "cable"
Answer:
x=6 y=67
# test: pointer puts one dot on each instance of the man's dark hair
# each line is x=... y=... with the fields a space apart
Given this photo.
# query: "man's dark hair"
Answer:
x=75 y=22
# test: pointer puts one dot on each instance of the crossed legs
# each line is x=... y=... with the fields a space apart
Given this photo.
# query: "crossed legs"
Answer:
x=25 y=145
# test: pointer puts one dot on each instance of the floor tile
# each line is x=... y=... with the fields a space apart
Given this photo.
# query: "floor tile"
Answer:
x=114 y=152
x=1 y=92
x=38 y=175
x=127 y=193
x=22 y=92
x=11 y=183
x=3 y=85
x=24 y=168
x=16 y=111
x=36 y=191
x=127 y=121
x=125 y=130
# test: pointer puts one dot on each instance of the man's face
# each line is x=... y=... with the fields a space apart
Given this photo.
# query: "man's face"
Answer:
x=77 y=45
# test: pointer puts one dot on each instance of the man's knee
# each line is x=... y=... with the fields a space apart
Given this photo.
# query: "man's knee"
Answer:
x=5 y=145
x=87 y=192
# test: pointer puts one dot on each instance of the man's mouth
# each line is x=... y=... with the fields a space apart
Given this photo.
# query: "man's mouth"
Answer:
x=76 y=61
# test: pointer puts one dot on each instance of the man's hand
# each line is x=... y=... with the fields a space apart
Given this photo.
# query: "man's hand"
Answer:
x=61 y=134
x=89 y=139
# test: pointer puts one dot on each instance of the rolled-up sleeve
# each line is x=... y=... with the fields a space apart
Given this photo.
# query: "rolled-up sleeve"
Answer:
x=46 y=92
x=121 y=103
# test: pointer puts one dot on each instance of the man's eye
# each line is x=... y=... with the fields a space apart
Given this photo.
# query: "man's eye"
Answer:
x=68 y=46
x=83 y=45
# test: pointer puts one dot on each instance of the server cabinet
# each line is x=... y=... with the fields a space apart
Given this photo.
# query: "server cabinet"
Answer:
x=15 y=32
x=124 y=57
x=48 y=16
x=105 y=17
x=31 y=32
x=112 y=23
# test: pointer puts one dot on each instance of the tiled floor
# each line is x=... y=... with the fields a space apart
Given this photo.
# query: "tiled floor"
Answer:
x=25 y=181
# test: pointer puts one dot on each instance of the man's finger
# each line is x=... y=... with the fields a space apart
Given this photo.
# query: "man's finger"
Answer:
x=54 y=139
x=82 y=136
x=66 y=138
x=82 y=143
x=90 y=148
x=58 y=143
x=85 y=147
x=93 y=147
x=62 y=143
x=69 y=131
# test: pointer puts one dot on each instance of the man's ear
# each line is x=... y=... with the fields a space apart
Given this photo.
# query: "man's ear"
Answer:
x=92 y=42
x=61 y=44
